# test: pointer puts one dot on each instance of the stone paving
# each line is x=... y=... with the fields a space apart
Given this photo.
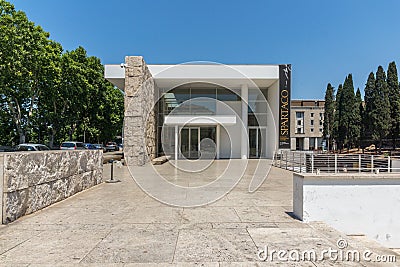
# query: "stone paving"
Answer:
x=119 y=225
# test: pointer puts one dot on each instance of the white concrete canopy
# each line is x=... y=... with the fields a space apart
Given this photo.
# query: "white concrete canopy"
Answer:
x=200 y=120
x=233 y=76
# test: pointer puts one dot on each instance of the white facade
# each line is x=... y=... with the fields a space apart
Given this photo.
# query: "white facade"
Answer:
x=186 y=107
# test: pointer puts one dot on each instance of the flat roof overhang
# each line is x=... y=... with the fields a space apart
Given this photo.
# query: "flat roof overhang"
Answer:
x=226 y=120
x=232 y=76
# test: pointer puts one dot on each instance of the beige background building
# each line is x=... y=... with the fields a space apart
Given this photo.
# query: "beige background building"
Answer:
x=306 y=126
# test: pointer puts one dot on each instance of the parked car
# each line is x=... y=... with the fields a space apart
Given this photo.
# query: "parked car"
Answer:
x=100 y=147
x=31 y=147
x=121 y=146
x=89 y=146
x=71 y=145
x=111 y=146
x=7 y=149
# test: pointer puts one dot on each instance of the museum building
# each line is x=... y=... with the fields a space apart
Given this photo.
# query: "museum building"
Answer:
x=202 y=109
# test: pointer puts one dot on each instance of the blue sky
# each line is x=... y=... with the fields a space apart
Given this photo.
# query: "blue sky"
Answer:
x=323 y=40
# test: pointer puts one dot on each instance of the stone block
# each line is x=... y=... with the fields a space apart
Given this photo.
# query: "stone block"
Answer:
x=49 y=171
x=15 y=205
x=134 y=61
x=39 y=197
x=133 y=106
x=75 y=184
x=59 y=190
x=134 y=71
x=97 y=176
x=88 y=180
x=14 y=181
x=133 y=85
x=134 y=160
x=69 y=164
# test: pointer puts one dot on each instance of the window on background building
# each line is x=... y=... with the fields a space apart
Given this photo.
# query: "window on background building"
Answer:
x=300 y=115
x=320 y=130
x=321 y=115
x=312 y=130
x=312 y=122
x=312 y=115
x=298 y=122
x=299 y=130
x=320 y=123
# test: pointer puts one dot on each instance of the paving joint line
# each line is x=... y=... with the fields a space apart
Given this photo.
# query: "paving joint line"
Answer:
x=101 y=239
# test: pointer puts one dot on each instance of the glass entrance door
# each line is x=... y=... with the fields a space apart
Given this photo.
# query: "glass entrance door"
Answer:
x=190 y=140
x=257 y=142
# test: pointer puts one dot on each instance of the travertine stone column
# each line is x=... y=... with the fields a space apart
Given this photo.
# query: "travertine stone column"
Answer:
x=140 y=113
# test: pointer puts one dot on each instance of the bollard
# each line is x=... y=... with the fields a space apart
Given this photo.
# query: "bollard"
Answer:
x=111 y=181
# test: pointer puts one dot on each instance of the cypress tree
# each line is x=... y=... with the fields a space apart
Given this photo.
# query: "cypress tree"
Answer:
x=380 y=114
x=347 y=129
x=358 y=115
x=329 y=112
x=369 y=106
x=394 y=99
x=338 y=108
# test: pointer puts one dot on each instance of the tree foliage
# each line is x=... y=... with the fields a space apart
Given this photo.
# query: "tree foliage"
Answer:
x=347 y=116
x=380 y=112
x=394 y=99
x=338 y=110
x=329 y=111
x=358 y=117
x=48 y=96
x=375 y=119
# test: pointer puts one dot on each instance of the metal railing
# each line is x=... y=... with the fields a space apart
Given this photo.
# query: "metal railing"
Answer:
x=309 y=162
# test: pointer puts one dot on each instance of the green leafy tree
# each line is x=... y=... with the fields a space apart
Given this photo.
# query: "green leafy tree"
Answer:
x=25 y=67
x=329 y=112
x=394 y=99
x=48 y=96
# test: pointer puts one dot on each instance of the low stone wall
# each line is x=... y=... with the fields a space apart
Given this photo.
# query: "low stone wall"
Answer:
x=35 y=180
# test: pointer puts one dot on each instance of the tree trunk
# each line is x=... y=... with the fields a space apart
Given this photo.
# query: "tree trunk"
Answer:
x=21 y=137
x=51 y=142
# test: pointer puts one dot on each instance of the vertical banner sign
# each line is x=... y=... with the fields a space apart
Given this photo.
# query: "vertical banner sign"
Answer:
x=285 y=73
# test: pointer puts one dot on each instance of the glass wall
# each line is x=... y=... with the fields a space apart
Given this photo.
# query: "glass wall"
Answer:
x=258 y=107
x=190 y=101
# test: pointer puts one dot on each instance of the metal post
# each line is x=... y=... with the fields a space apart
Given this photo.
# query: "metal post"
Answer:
x=286 y=160
x=294 y=161
x=372 y=163
x=335 y=163
x=388 y=164
x=299 y=163
x=312 y=163
x=359 y=163
x=111 y=181
x=329 y=164
x=112 y=171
